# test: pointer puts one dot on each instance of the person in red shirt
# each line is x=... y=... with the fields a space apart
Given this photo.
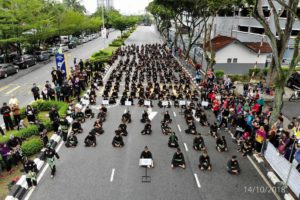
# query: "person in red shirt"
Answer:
x=216 y=106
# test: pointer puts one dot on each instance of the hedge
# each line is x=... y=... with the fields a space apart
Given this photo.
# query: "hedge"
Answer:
x=32 y=146
x=24 y=133
x=41 y=106
x=219 y=74
x=256 y=71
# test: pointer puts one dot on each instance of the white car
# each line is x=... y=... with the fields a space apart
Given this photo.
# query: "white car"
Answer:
x=63 y=47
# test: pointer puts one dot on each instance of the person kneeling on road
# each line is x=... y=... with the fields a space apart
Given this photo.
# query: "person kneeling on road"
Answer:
x=233 y=166
x=71 y=141
x=147 y=129
x=89 y=113
x=173 y=141
x=221 y=144
x=98 y=127
x=123 y=129
x=178 y=159
x=145 y=117
x=126 y=118
x=191 y=129
x=90 y=140
x=198 y=143
x=80 y=116
x=146 y=154
x=118 y=140
x=167 y=117
x=76 y=127
x=204 y=161
x=214 y=130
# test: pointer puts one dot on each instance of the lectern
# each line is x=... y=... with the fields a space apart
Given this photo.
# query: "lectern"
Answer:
x=145 y=163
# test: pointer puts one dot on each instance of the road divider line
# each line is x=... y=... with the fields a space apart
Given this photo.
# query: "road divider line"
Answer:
x=12 y=90
x=185 y=146
x=197 y=180
x=112 y=175
x=174 y=113
x=178 y=126
x=4 y=88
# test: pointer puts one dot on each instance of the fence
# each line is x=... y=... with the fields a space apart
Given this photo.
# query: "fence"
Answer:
x=286 y=171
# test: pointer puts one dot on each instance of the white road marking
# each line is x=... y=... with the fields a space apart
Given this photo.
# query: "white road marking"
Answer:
x=12 y=90
x=263 y=177
x=178 y=126
x=174 y=113
x=125 y=111
x=112 y=175
x=197 y=180
x=185 y=146
x=4 y=88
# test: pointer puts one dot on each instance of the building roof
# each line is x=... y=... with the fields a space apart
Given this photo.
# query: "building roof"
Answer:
x=221 y=41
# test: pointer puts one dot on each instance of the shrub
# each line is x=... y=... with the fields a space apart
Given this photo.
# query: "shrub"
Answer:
x=42 y=105
x=23 y=133
x=32 y=146
x=256 y=71
x=219 y=74
x=235 y=77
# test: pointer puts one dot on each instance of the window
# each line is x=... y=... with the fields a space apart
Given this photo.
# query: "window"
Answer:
x=257 y=30
x=235 y=60
x=243 y=28
x=229 y=60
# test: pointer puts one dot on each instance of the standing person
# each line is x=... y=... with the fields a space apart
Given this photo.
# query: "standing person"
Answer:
x=31 y=170
x=13 y=100
x=75 y=61
x=36 y=92
x=233 y=166
x=260 y=137
x=80 y=65
x=5 y=111
x=49 y=155
x=16 y=113
x=178 y=159
x=146 y=154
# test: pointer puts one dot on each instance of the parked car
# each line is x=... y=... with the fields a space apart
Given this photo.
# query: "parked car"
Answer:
x=63 y=47
x=294 y=81
x=52 y=51
x=42 y=55
x=9 y=57
x=72 y=45
x=7 y=69
x=82 y=40
x=25 y=61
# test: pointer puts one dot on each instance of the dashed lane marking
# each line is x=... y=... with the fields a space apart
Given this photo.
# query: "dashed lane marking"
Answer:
x=112 y=175
x=197 y=180
x=178 y=126
x=174 y=113
x=185 y=146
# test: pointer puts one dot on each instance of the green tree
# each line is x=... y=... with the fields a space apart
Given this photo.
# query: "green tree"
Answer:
x=75 y=5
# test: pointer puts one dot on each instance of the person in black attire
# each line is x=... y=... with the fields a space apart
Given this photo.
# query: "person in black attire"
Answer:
x=178 y=159
x=204 y=162
x=36 y=92
x=49 y=155
x=5 y=111
x=145 y=117
x=123 y=129
x=31 y=170
x=221 y=144
x=90 y=140
x=71 y=141
x=98 y=127
x=198 y=143
x=167 y=117
x=126 y=117
x=54 y=117
x=80 y=65
x=147 y=129
x=76 y=127
x=146 y=154
x=118 y=140
x=214 y=130
x=233 y=166
x=80 y=116
x=89 y=113
x=225 y=114
x=42 y=132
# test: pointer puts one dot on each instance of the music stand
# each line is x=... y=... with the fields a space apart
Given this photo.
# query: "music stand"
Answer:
x=145 y=163
x=147 y=103
x=164 y=104
x=181 y=103
x=105 y=102
x=128 y=104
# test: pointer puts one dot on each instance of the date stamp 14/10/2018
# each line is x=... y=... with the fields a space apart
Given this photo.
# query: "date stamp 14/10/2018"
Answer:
x=264 y=189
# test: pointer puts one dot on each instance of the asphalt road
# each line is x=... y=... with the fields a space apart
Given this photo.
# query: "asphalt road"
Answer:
x=20 y=84
x=87 y=173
